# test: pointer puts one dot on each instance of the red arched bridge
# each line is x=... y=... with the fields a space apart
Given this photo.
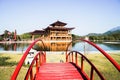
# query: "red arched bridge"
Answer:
x=69 y=70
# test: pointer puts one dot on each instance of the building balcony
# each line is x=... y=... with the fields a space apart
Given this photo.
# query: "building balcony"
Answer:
x=60 y=35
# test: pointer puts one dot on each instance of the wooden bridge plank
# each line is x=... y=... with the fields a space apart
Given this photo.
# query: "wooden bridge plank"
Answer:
x=58 y=71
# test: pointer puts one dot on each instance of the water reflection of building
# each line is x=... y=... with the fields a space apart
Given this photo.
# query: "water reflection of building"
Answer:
x=55 y=32
x=55 y=46
x=59 y=46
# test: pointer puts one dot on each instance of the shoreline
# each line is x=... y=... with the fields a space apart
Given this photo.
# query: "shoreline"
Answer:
x=58 y=52
x=16 y=41
x=112 y=42
x=30 y=41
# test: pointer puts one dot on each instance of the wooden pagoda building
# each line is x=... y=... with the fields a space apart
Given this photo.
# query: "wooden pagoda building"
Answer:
x=55 y=32
x=58 y=32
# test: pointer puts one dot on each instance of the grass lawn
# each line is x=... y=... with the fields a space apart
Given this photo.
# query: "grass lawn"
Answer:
x=104 y=66
x=8 y=63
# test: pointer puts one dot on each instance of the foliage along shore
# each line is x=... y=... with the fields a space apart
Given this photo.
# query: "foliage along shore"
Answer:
x=105 y=37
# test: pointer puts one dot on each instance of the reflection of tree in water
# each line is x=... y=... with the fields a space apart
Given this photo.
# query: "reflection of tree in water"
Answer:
x=10 y=46
x=73 y=43
x=113 y=46
x=7 y=46
x=22 y=46
x=13 y=46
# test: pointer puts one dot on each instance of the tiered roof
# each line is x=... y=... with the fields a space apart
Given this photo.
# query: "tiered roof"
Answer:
x=57 y=26
x=36 y=32
x=58 y=23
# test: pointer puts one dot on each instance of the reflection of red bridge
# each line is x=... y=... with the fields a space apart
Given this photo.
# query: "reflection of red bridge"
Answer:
x=72 y=69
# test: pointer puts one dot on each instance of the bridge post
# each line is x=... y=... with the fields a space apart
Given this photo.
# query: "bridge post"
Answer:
x=39 y=59
x=91 y=74
x=76 y=56
x=45 y=58
x=36 y=65
x=82 y=64
x=72 y=57
x=31 y=74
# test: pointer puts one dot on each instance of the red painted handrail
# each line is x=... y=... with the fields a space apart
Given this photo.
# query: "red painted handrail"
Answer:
x=116 y=65
x=74 y=59
x=21 y=62
x=40 y=58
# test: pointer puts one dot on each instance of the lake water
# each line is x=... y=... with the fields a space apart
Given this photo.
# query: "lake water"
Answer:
x=13 y=46
x=104 y=46
x=59 y=47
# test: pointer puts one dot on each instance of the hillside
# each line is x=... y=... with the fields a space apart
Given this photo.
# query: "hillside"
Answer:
x=94 y=34
x=110 y=35
x=115 y=30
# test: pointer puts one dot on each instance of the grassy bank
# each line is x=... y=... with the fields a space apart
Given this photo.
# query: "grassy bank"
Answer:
x=104 y=66
x=8 y=63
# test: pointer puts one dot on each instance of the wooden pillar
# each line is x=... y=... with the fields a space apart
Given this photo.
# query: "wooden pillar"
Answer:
x=15 y=36
x=33 y=37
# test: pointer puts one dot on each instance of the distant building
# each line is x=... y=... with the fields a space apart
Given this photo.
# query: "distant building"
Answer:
x=8 y=36
x=54 y=32
x=37 y=32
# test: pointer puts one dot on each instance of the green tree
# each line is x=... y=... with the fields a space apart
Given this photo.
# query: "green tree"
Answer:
x=1 y=38
x=6 y=34
x=26 y=36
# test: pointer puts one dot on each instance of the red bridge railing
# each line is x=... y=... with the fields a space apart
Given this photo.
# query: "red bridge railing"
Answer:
x=42 y=58
x=73 y=57
x=38 y=60
x=116 y=65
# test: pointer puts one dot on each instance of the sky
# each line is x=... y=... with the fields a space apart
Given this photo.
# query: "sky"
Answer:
x=87 y=16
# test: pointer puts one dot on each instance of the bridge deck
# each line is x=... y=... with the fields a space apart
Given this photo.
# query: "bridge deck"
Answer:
x=58 y=71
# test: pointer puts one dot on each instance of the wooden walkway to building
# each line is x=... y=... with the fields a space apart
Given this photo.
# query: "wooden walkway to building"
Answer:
x=58 y=71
